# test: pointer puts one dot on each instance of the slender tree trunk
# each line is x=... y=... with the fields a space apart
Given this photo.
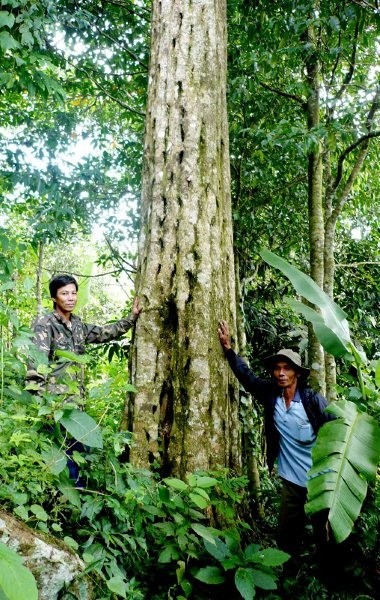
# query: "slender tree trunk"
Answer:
x=329 y=259
x=184 y=414
x=328 y=282
x=315 y=205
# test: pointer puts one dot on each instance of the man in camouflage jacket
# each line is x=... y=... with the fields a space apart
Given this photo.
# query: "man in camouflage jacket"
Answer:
x=60 y=330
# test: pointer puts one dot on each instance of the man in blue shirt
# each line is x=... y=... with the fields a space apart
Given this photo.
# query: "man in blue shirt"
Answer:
x=293 y=414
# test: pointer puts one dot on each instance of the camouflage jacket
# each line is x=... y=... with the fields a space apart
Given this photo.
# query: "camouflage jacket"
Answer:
x=52 y=333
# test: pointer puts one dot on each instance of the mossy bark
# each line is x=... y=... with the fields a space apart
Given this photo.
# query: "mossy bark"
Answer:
x=315 y=202
x=184 y=415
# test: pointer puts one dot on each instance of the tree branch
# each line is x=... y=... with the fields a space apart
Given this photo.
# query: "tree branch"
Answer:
x=352 y=63
x=348 y=150
x=121 y=46
x=121 y=261
x=105 y=91
x=298 y=99
x=116 y=272
x=363 y=140
x=359 y=264
x=132 y=11
x=364 y=4
x=119 y=102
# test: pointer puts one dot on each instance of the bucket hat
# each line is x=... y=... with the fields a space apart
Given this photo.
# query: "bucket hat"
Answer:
x=287 y=355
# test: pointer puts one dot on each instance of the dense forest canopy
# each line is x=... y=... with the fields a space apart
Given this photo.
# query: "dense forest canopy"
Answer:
x=116 y=166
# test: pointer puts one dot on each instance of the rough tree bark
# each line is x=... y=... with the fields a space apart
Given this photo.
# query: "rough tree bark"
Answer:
x=184 y=414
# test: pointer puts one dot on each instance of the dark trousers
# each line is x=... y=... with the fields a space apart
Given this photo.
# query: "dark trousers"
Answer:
x=292 y=520
x=292 y=517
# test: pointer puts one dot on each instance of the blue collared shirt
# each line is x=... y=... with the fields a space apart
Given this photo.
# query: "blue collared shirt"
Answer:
x=296 y=440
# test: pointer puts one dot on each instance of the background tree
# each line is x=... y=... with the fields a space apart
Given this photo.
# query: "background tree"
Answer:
x=184 y=413
x=307 y=92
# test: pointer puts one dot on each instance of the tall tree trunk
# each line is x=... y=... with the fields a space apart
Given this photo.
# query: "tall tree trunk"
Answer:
x=184 y=414
x=315 y=203
x=328 y=286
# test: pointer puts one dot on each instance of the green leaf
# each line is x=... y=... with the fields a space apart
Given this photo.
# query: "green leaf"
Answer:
x=83 y=428
x=347 y=452
x=69 y=541
x=39 y=512
x=270 y=557
x=78 y=458
x=177 y=484
x=333 y=316
x=27 y=38
x=245 y=584
x=117 y=585
x=168 y=554
x=201 y=492
x=180 y=571
x=218 y=549
x=16 y=581
x=252 y=551
x=187 y=588
x=264 y=580
x=210 y=575
x=58 y=414
x=55 y=459
x=73 y=357
x=6 y=20
x=68 y=490
x=21 y=512
x=19 y=497
x=201 y=481
x=204 y=532
x=153 y=510
x=326 y=336
x=8 y=42
x=198 y=500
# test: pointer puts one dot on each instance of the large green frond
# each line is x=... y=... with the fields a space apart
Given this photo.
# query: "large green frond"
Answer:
x=345 y=457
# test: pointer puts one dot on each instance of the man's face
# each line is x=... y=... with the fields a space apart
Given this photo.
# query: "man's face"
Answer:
x=284 y=374
x=66 y=298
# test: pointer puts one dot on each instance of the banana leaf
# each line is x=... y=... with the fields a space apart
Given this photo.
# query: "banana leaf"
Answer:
x=345 y=458
x=326 y=336
x=332 y=316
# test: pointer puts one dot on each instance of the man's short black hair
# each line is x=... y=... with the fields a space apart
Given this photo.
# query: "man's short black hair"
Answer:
x=60 y=281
